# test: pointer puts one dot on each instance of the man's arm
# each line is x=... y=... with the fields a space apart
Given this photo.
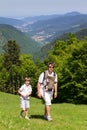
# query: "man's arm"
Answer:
x=38 y=90
x=55 y=90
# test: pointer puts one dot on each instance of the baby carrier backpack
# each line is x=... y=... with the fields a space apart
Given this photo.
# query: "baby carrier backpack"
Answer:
x=48 y=81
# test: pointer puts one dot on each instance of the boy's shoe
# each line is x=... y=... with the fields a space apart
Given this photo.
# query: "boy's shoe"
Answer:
x=26 y=117
x=21 y=116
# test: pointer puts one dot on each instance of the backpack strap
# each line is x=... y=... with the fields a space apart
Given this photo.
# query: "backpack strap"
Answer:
x=45 y=75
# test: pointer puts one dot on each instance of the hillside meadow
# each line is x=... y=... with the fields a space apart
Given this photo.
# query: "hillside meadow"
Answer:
x=65 y=116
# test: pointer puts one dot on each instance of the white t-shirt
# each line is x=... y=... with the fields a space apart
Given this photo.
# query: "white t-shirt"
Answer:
x=25 y=90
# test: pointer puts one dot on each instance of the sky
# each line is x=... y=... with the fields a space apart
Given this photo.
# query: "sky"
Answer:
x=27 y=8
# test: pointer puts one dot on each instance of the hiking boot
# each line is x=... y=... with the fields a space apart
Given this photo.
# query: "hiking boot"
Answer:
x=26 y=117
x=49 y=118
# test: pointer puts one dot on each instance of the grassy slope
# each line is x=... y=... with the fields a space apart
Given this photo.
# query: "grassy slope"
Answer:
x=66 y=116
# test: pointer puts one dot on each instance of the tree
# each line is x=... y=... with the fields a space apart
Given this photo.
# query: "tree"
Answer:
x=28 y=68
x=11 y=54
x=71 y=66
x=11 y=63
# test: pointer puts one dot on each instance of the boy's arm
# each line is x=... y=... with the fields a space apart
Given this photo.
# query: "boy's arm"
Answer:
x=19 y=91
x=28 y=94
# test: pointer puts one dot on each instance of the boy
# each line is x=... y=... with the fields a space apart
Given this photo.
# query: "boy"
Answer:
x=25 y=91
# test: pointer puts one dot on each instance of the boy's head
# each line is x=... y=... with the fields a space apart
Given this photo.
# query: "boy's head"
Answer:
x=27 y=80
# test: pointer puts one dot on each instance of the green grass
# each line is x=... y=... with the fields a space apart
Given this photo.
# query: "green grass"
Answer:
x=65 y=116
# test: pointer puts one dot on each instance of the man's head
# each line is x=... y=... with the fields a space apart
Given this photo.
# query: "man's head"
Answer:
x=50 y=66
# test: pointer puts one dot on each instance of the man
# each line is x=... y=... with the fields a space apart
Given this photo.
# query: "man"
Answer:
x=44 y=89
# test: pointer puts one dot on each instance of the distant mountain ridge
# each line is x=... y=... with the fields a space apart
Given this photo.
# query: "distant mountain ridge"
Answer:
x=8 y=32
x=72 y=13
x=52 y=28
x=44 y=50
x=46 y=28
x=10 y=21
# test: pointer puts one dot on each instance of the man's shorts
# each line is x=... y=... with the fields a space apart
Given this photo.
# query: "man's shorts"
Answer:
x=47 y=97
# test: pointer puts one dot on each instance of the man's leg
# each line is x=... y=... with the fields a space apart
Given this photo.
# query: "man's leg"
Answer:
x=47 y=114
x=47 y=110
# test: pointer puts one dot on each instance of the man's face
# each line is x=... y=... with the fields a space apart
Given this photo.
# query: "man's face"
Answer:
x=50 y=68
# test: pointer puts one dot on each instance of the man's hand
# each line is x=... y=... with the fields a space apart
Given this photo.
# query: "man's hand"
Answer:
x=39 y=94
x=55 y=95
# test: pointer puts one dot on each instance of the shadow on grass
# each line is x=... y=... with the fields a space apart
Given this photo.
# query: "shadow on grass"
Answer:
x=37 y=117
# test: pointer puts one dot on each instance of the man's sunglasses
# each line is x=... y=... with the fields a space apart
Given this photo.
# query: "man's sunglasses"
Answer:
x=51 y=66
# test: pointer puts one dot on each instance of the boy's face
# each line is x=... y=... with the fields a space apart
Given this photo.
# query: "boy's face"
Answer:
x=27 y=82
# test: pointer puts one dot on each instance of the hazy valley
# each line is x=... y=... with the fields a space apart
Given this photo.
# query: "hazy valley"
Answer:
x=34 y=33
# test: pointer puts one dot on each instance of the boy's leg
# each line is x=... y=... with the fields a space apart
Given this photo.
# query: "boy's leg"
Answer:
x=26 y=112
x=21 y=113
x=22 y=104
x=27 y=105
